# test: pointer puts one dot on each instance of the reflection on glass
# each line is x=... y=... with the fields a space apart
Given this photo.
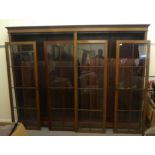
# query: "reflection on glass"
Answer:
x=23 y=77
x=62 y=119
x=90 y=121
x=91 y=65
x=60 y=52
x=90 y=99
x=25 y=97
x=61 y=83
x=135 y=117
x=22 y=55
x=22 y=72
x=60 y=65
x=133 y=55
x=132 y=65
x=131 y=78
x=61 y=77
x=62 y=98
x=91 y=77
x=91 y=86
x=91 y=54
x=28 y=117
x=131 y=84
x=123 y=120
x=60 y=115
x=123 y=116
x=129 y=121
x=130 y=100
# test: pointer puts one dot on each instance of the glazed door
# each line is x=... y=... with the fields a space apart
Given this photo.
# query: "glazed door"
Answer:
x=60 y=84
x=23 y=83
x=132 y=67
x=92 y=85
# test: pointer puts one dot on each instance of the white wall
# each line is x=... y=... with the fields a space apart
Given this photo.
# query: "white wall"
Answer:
x=73 y=13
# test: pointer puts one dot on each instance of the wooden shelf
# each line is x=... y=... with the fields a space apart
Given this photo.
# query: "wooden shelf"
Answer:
x=24 y=87
x=28 y=66
x=134 y=89
x=91 y=110
x=25 y=108
x=131 y=66
x=61 y=88
x=130 y=110
x=62 y=109
x=90 y=66
x=91 y=88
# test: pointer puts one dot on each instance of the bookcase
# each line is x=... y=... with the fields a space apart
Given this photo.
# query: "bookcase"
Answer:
x=80 y=78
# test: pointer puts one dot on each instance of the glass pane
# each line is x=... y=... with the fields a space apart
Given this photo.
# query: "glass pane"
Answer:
x=22 y=55
x=132 y=78
x=135 y=121
x=89 y=120
x=61 y=77
x=28 y=117
x=126 y=51
x=61 y=83
x=62 y=98
x=136 y=53
x=91 y=54
x=91 y=86
x=60 y=64
x=57 y=115
x=23 y=77
x=124 y=100
x=135 y=117
x=62 y=119
x=91 y=77
x=131 y=85
x=130 y=100
x=60 y=53
x=91 y=99
x=24 y=97
x=68 y=115
x=57 y=125
x=138 y=100
x=122 y=119
x=132 y=63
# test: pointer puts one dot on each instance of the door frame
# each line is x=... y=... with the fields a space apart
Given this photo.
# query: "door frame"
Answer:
x=118 y=42
x=8 y=56
x=104 y=42
x=46 y=43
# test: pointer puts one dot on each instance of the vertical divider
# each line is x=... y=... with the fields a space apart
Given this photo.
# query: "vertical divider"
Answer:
x=105 y=84
x=116 y=86
x=47 y=85
x=36 y=83
x=75 y=82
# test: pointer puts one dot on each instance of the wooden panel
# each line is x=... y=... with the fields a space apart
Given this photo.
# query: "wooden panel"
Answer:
x=82 y=28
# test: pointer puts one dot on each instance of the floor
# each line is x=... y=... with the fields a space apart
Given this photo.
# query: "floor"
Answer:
x=46 y=132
